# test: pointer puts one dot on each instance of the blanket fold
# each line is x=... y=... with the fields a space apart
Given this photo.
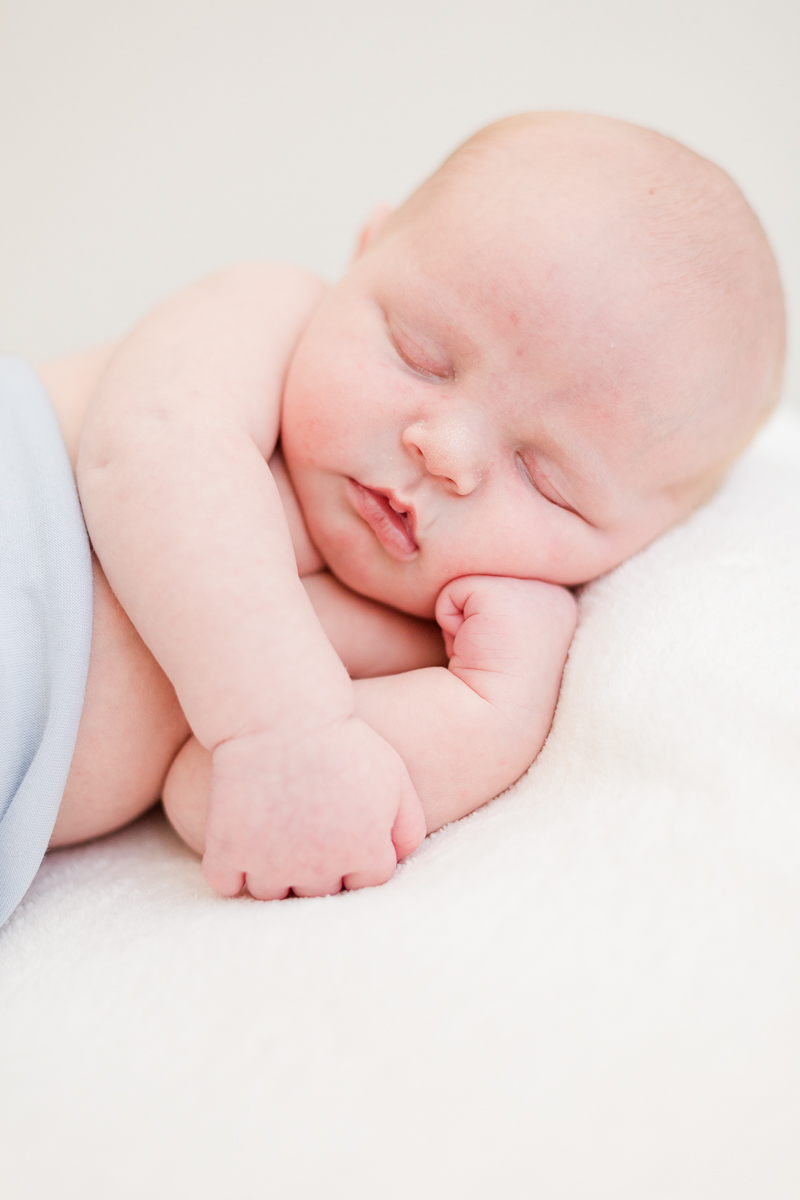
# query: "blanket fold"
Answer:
x=45 y=624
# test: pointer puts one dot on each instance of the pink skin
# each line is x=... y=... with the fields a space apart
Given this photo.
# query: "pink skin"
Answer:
x=447 y=413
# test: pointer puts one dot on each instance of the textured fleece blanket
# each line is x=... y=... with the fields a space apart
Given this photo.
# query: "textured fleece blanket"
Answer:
x=588 y=989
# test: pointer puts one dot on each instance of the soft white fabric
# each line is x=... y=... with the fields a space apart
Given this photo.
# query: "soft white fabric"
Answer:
x=589 y=989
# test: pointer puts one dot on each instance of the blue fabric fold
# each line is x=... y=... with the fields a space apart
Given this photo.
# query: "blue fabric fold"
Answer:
x=45 y=624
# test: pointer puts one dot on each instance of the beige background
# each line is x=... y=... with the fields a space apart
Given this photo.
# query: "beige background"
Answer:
x=144 y=142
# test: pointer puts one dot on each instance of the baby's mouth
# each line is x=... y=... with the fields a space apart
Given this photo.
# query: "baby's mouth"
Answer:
x=390 y=526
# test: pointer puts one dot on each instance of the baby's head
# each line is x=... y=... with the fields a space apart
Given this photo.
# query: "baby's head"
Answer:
x=547 y=356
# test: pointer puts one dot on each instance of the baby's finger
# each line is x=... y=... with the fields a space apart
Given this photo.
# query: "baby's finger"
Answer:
x=380 y=872
x=449 y=613
x=223 y=879
x=329 y=888
x=409 y=828
x=261 y=889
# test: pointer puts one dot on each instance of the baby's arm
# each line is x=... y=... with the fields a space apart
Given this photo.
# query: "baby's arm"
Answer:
x=465 y=733
x=468 y=732
x=370 y=638
x=187 y=522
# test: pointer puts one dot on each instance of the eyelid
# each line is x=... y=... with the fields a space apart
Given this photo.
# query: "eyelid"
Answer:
x=526 y=472
x=428 y=371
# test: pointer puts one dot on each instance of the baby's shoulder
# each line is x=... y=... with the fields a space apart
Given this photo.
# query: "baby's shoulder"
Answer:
x=286 y=280
x=69 y=383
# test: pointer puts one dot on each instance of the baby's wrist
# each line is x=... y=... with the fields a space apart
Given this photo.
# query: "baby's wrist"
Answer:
x=307 y=688
x=294 y=723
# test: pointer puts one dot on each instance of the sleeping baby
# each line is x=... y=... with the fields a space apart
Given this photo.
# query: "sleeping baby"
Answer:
x=336 y=530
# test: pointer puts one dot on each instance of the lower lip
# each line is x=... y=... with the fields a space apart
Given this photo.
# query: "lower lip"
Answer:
x=389 y=527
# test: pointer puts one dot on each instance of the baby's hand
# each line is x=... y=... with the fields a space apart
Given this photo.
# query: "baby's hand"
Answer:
x=507 y=639
x=308 y=811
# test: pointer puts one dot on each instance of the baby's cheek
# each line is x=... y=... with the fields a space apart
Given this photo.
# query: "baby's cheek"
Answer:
x=404 y=586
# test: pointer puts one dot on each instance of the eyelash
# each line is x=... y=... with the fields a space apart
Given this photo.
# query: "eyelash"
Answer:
x=523 y=470
x=415 y=366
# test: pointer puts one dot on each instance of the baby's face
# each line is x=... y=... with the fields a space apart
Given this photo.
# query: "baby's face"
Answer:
x=464 y=404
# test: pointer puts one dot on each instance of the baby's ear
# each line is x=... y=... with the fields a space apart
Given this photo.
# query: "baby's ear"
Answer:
x=380 y=215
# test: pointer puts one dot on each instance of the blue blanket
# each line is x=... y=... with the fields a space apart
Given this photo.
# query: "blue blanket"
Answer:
x=45 y=625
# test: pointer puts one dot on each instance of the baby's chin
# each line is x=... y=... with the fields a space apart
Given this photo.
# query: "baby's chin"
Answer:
x=397 y=585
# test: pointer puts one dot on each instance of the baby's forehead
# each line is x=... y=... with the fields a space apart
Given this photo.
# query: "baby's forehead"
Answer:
x=570 y=305
x=494 y=237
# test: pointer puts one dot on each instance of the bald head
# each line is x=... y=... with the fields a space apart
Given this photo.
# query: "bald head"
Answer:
x=631 y=200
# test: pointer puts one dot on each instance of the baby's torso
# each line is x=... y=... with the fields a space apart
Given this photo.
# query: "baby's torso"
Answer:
x=70 y=383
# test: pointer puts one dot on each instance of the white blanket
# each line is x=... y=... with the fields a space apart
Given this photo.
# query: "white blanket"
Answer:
x=588 y=989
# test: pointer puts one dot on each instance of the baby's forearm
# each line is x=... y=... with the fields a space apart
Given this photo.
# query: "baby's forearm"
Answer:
x=370 y=638
x=459 y=749
x=468 y=732
x=183 y=511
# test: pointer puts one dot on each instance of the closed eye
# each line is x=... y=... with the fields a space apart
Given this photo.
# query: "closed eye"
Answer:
x=415 y=366
x=543 y=486
x=416 y=358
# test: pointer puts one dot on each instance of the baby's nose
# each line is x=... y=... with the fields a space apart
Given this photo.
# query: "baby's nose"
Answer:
x=449 y=449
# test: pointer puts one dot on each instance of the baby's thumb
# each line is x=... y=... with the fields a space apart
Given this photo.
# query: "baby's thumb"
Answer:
x=409 y=828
